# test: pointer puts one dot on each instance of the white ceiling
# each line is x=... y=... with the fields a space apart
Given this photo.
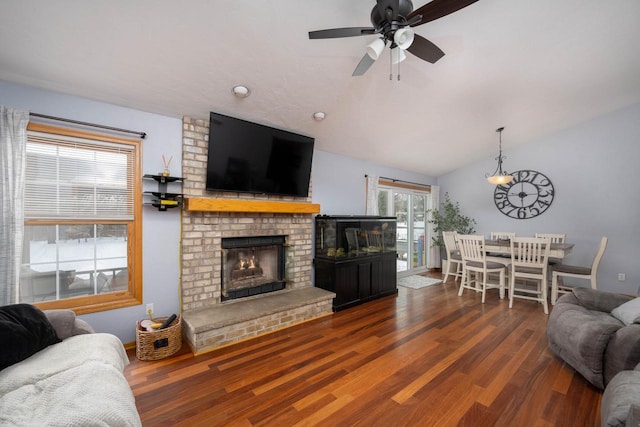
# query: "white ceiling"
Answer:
x=533 y=66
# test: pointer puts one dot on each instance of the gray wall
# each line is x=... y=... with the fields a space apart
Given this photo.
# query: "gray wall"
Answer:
x=594 y=169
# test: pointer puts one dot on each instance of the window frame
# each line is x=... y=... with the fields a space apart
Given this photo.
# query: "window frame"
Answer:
x=133 y=294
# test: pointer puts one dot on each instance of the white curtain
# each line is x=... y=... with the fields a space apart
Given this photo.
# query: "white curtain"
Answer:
x=13 y=140
x=372 y=195
x=433 y=260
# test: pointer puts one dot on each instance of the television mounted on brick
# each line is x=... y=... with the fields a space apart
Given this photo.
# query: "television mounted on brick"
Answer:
x=254 y=158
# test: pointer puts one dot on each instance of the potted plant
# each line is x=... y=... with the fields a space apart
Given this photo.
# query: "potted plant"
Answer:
x=449 y=218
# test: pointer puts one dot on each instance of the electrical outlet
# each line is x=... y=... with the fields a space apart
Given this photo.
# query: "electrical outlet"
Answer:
x=150 y=309
x=622 y=277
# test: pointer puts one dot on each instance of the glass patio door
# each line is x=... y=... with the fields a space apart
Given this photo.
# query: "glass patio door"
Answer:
x=401 y=212
x=409 y=208
x=418 y=231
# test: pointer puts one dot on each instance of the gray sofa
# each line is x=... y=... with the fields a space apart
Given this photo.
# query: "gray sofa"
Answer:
x=583 y=332
x=621 y=400
x=598 y=334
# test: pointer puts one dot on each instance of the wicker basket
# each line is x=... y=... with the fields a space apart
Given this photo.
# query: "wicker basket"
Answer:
x=159 y=344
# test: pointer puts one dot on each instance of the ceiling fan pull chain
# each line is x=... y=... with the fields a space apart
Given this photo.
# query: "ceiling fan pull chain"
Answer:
x=391 y=64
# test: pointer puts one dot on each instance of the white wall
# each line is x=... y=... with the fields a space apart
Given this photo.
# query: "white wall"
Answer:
x=161 y=230
x=594 y=169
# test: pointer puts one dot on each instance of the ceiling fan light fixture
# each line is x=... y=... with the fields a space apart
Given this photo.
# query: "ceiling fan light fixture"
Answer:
x=375 y=48
x=403 y=37
x=393 y=20
x=499 y=177
x=241 y=91
x=397 y=55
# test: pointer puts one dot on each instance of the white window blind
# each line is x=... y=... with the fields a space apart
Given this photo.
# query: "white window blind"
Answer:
x=75 y=178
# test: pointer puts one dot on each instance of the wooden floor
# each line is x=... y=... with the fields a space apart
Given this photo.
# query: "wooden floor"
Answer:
x=426 y=357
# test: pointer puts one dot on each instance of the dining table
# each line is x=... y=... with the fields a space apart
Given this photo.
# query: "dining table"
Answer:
x=557 y=251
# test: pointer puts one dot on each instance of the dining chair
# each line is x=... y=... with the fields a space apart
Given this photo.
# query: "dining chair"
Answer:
x=529 y=258
x=563 y=270
x=475 y=262
x=554 y=237
x=502 y=235
x=454 y=260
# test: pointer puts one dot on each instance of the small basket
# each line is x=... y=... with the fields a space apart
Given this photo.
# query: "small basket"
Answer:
x=155 y=345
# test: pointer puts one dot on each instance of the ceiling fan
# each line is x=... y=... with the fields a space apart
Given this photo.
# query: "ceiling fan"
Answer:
x=392 y=20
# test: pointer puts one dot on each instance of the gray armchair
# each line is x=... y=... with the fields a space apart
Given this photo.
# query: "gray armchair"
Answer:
x=583 y=332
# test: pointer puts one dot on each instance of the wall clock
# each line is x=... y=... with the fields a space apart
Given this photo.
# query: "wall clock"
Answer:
x=529 y=194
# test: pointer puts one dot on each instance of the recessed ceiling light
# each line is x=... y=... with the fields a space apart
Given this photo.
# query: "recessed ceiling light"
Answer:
x=241 y=91
x=319 y=116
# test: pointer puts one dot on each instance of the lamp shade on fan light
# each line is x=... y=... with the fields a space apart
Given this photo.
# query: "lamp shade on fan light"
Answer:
x=375 y=48
x=397 y=55
x=403 y=38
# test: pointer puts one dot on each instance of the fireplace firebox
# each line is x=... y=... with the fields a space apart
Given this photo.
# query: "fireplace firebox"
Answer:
x=252 y=266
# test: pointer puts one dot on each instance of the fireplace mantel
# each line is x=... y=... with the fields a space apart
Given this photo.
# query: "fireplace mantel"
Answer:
x=208 y=204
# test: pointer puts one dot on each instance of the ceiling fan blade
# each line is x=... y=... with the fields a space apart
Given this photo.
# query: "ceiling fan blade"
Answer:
x=424 y=49
x=341 y=32
x=364 y=65
x=437 y=9
x=388 y=8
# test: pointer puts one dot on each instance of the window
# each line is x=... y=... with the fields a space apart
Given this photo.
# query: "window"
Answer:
x=82 y=232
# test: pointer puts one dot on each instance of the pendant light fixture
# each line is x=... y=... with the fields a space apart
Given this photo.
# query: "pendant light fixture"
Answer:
x=499 y=177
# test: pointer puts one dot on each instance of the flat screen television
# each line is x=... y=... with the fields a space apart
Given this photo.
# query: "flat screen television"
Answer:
x=253 y=158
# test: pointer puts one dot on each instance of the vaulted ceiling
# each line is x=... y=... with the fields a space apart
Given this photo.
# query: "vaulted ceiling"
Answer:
x=535 y=67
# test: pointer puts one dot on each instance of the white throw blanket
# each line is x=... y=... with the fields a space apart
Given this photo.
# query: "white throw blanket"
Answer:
x=77 y=382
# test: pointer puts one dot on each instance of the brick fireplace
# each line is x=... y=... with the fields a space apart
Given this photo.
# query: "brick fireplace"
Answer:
x=211 y=319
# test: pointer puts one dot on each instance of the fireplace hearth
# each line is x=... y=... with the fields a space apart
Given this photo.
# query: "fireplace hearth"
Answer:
x=252 y=266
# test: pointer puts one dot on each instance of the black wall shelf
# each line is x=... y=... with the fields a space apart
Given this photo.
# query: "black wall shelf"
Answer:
x=163 y=199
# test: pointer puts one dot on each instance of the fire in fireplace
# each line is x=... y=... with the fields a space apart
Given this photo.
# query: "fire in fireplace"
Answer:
x=246 y=267
x=252 y=266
